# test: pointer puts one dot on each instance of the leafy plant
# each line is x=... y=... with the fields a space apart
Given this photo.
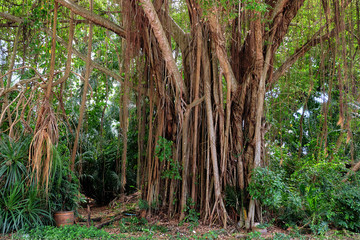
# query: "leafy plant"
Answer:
x=211 y=234
x=254 y=235
x=13 y=159
x=134 y=224
x=267 y=186
x=99 y=179
x=163 y=151
x=64 y=195
x=347 y=206
x=192 y=216
x=64 y=192
x=21 y=203
x=310 y=193
x=143 y=204
x=233 y=197
x=21 y=206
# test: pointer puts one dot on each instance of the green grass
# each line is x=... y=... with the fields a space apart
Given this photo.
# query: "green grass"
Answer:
x=74 y=232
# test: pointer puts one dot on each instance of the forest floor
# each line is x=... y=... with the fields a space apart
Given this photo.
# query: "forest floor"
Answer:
x=124 y=217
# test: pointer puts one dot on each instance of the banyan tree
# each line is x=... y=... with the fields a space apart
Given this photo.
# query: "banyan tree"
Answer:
x=199 y=90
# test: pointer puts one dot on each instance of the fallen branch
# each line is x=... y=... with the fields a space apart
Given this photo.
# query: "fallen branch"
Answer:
x=101 y=225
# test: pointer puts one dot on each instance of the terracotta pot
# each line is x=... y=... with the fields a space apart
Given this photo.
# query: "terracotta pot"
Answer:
x=64 y=218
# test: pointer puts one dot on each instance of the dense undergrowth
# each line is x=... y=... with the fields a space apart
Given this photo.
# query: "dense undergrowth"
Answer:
x=23 y=202
x=127 y=228
x=134 y=228
x=310 y=193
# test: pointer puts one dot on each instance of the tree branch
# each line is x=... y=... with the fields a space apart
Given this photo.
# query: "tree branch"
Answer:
x=83 y=57
x=180 y=36
x=300 y=52
x=164 y=46
x=315 y=40
x=96 y=19
x=11 y=17
x=218 y=37
x=282 y=17
x=64 y=43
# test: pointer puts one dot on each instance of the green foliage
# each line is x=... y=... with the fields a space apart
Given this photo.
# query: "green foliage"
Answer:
x=346 y=200
x=254 y=235
x=143 y=204
x=126 y=225
x=256 y=6
x=191 y=216
x=13 y=160
x=67 y=232
x=21 y=206
x=101 y=154
x=163 y=151
x=99 y=179
x=233 y=197
x=64 y=194
x=309 y=193
x=211 y=234
x=21 y=203
x=134 y=224
x=267 y=186
x=230 y=9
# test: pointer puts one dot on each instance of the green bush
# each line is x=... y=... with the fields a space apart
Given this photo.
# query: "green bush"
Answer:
x=267 y=186
x=64 y=194
x=163 y=151
x=13 y=160
x=309 y=192
x=192 y=216
x=99 y=179
x=346 y=212
x=21 y=206
x=100 y=176
x=21 y=203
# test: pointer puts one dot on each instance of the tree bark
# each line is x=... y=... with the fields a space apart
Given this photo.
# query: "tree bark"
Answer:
x=212 y=139
x=83 y=98
x=164 y=46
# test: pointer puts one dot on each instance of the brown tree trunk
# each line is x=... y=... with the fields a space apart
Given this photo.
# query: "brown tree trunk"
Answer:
x=212 y=139
x=196 y=112
x=83 y=98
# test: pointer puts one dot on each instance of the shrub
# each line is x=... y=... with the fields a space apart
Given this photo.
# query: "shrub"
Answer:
x=64 y=194
x=309 y=193
x=192 y=216
x=13 y=160
x=21 y=203
x=20 y=206
x=267 y=186
x=346 y=212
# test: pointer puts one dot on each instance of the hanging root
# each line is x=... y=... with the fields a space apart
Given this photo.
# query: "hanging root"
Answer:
x=41 y=147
